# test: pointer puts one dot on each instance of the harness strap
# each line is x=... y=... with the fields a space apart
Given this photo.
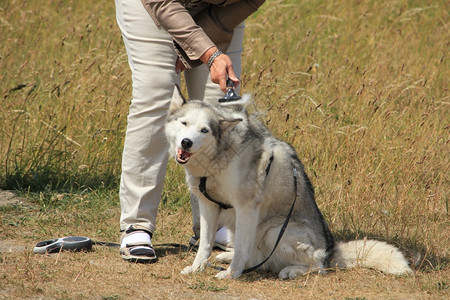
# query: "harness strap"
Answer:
x=269 y=165
x=202 y=188
x=283 y=228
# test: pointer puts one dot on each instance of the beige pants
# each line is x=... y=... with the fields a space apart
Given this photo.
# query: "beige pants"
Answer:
x=152 y=62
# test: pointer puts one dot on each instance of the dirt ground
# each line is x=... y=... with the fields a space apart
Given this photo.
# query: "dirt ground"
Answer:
x=10 y=198
x=101 y=274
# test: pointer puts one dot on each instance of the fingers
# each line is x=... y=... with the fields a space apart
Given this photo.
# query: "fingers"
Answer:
x=179 y=66
x=233 y=77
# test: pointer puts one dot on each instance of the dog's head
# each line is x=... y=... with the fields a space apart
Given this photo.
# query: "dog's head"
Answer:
x=194 y=128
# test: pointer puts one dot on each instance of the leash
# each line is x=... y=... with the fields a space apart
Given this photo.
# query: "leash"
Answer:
x=202 y=188
x=82 y=243
x=77 y=243
x=283 y=228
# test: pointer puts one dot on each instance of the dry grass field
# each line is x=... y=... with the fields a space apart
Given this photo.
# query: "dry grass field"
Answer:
x=359 y=88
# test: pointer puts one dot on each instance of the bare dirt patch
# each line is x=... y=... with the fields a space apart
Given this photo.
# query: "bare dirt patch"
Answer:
x=7 y=246
x=10 y=198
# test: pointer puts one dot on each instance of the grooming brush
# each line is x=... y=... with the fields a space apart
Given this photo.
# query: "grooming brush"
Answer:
x=230 y=95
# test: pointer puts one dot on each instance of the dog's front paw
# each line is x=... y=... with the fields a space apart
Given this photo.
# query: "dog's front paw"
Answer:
x=188 y=270
x=194 y=268
x=224 y=274
x=227 y=274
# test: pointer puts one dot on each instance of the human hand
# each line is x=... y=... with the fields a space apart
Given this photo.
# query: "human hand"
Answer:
x=179 y=66
x=221 y=69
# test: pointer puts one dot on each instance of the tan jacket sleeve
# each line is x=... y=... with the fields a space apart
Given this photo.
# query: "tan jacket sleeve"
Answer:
x=184 y=30
x=177 y=21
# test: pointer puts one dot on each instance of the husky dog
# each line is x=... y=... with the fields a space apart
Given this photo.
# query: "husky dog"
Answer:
x=249 y=180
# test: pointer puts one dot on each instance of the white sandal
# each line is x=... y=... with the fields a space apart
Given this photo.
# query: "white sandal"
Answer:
x=136 y=245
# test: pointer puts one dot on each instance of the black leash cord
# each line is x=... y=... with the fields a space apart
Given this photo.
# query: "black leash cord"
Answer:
x=202 y=188
x=280 y=235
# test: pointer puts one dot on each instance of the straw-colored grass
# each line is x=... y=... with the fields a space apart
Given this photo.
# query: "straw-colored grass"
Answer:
x=359 y=88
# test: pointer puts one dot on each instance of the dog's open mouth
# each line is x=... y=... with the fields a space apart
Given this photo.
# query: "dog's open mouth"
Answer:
x=183 y=156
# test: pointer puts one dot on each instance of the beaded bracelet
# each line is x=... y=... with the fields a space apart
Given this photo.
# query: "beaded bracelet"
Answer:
x=213 y=57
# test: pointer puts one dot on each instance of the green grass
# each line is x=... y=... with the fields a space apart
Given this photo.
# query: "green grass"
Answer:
x=359 y=88
x=65 y=91
x=361 y=91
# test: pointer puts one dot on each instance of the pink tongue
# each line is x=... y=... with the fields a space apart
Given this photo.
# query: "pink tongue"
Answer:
x=183 y=154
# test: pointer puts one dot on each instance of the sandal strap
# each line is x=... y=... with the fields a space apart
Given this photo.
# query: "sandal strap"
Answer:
x=138 y=237
x=137 y=227
x=139 y=244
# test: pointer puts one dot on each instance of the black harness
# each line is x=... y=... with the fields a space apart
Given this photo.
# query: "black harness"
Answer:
x=202 y=188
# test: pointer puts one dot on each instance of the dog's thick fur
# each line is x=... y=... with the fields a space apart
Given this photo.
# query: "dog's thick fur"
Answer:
x=248 y=168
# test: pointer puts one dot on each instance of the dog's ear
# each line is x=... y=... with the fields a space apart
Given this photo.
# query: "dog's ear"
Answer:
x=177 y=99
x=227 y=125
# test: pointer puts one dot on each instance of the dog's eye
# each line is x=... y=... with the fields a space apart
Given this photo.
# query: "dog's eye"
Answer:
x=204 y=130
x=184 y=123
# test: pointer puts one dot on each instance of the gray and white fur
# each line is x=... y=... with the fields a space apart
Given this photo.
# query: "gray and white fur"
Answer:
x=249 y=169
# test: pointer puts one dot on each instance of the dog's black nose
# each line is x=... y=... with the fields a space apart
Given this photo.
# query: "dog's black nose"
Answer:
x=186 y=143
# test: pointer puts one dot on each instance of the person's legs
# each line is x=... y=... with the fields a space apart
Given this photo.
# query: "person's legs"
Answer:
x=152 y=61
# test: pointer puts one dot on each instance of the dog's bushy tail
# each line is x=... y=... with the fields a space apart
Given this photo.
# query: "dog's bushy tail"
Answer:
x=371 y=254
